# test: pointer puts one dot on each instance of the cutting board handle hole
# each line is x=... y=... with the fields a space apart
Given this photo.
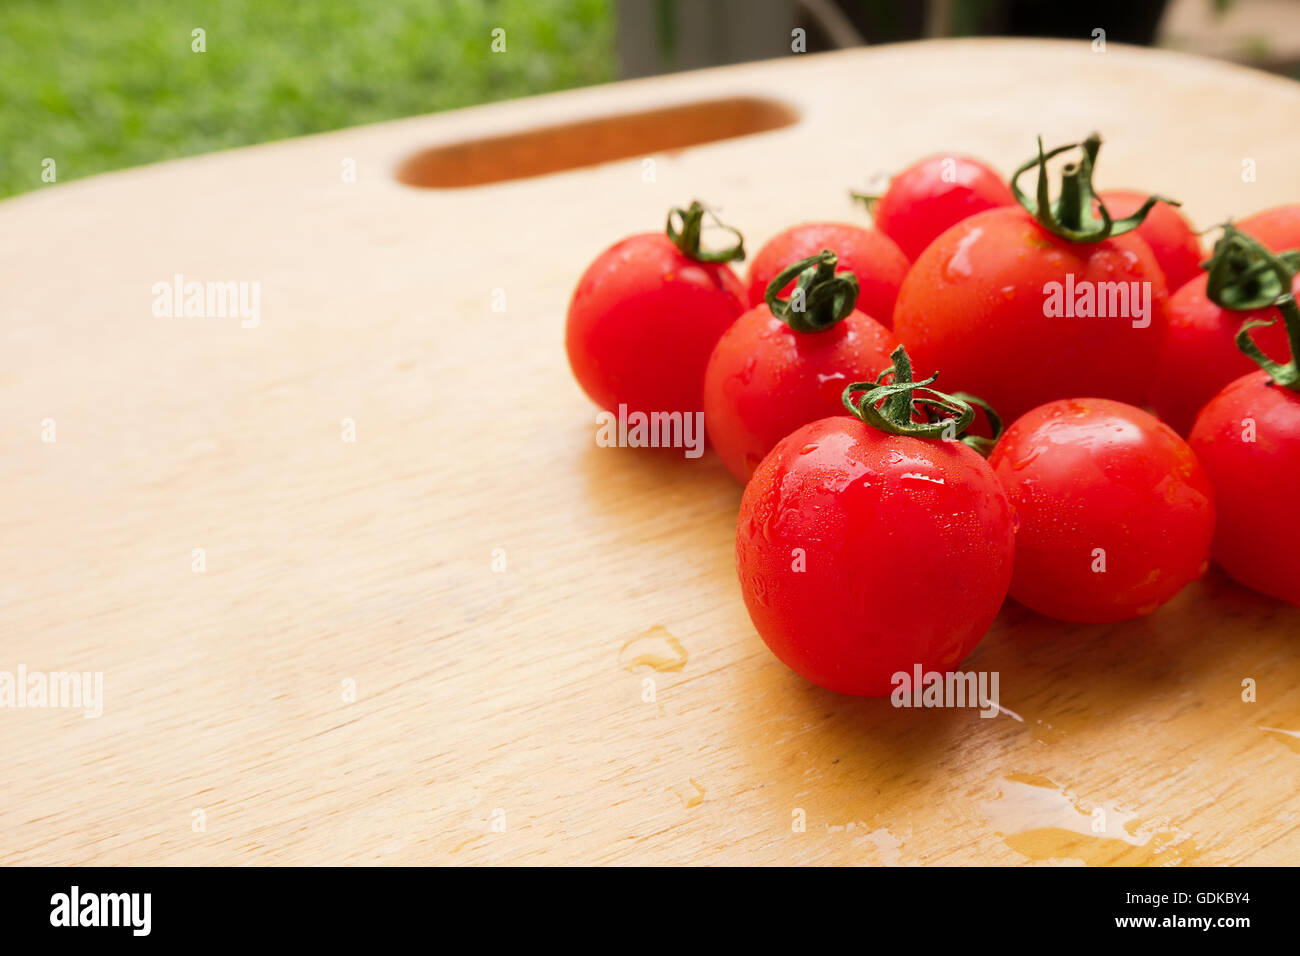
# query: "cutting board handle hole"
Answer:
x=553 y=149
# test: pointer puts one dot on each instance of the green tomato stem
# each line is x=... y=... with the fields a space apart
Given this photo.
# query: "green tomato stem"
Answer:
x=890 y=407
x=1284 y=375
x=1071 y=216
x=982 y=445
x=821 y=297
x=687 y=238
x=1244 y=274
x=1288 y=375
x=869 y=200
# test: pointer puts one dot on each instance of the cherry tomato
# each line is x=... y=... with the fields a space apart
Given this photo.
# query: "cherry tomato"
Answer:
x=867 y=253
x=862 y=553
x=1248 y=438
x=1278 y=228
x=934 y=195
x=974 y=305
x=1021 y=315
x=1114 y=513
x=766 y=378
x=1199 y=358
x=645 y=316
x=1171 y=237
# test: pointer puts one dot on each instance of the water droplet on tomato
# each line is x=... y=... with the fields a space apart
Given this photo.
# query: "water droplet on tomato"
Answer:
x=808 y=449
x=1024 y=461
x=917 y=476
x=959 y=266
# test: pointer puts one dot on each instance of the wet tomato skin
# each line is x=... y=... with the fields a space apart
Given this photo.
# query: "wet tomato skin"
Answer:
x=642 y=323
x=868 y=253
x=974 y=306
x=1171 y=237
x=907 y=547
x=1200 y=355
x=933 y=195
x=1093 y=480
x=1255 y=482
x=764 y=380
x=1278 y=227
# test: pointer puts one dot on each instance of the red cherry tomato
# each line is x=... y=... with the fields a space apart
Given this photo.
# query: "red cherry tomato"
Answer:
x=1199 y=357
x=1023 y=310
x=867 y=253
x=974 y=306
x=1278 y=228
x=765 y=379
x=933 y=195
x=643 y=320
x=1248 y=438
x=1114 y=513
x=1171 y=237
x=862 y=553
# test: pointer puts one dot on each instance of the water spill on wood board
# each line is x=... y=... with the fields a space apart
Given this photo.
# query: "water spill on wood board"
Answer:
x=656 y=649
x=1046 y=823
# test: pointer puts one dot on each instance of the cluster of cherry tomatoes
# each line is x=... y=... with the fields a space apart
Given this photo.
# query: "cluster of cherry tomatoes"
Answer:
x=1154 y=402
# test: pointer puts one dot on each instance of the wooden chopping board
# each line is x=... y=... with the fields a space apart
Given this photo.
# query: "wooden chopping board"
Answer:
x=471 y=635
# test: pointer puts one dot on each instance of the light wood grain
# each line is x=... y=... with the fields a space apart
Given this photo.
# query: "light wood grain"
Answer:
x=519 y=690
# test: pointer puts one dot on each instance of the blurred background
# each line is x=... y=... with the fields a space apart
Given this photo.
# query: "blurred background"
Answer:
x=105 y=84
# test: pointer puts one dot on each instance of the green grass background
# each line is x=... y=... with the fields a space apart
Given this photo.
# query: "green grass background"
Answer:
x=103 y=84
